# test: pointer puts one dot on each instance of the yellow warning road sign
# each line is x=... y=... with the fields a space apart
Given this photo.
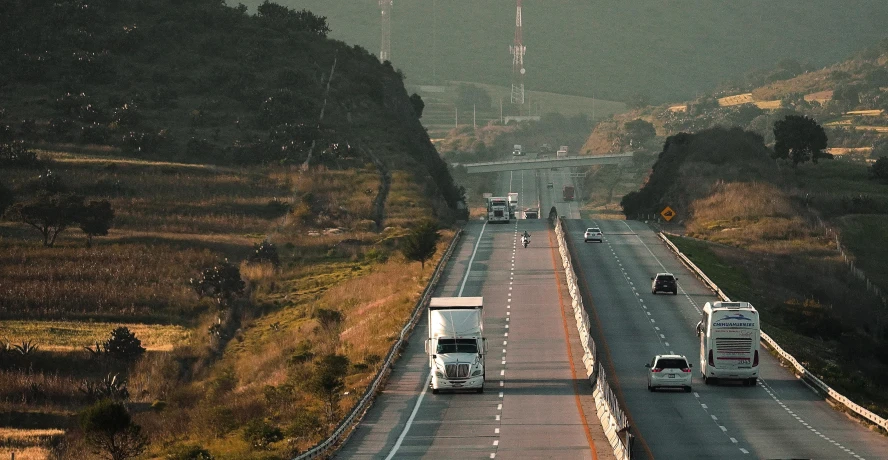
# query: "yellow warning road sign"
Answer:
x=667 y=213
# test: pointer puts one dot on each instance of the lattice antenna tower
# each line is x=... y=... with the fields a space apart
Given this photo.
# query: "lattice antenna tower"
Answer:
x=385 y=50
x=517 y=51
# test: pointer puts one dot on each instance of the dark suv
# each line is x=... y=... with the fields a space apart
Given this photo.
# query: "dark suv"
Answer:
x=664 y=282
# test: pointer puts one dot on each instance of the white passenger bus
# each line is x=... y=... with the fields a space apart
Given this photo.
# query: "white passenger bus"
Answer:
x=497 y=209
x=729 y=342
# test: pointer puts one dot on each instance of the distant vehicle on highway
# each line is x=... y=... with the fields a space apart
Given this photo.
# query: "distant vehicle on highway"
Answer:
x=593 y=234
x=498 y=209
x=531 y=213
x=568 y=192
x=669 y=371
x=664 y=282
x=729 y=342
x=550 y=185
x=562 y=152
x=517 y=150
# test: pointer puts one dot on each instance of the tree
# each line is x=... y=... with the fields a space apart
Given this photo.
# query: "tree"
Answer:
x=879 y=170
x=420 y=244
x=283 y=18
x=95 y=219
x=799 y=139
x=124 y=345
x=109 y=429
x=639 y=131
x=49 y=213
x=418 y=104
x=327 y=382
x=222 y=282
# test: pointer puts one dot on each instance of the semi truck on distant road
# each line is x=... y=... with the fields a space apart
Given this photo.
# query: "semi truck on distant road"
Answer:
x=568 y=192
x=497 y=209
x=456 y=343
x=513 y=204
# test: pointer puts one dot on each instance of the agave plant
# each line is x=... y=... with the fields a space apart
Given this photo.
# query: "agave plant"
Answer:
x=98 y=352
x=111 y=387
x=26 y=348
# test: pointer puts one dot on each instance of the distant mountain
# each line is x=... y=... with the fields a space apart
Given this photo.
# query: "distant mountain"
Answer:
x=669 y=49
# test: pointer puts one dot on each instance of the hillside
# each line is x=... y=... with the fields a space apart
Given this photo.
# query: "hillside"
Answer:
x=669 y=50
x=205 y=83
x=231 y=189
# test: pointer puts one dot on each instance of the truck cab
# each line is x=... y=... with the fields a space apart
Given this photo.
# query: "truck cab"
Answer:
x=456 y=345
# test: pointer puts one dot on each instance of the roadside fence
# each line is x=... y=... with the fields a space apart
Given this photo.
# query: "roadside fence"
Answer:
x=344 y=429
x=800 y=370
x=613 y=419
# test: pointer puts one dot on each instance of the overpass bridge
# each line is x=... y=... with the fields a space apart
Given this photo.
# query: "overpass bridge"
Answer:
x=547 y=163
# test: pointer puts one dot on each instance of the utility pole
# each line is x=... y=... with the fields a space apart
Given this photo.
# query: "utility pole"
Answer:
x=473 y=117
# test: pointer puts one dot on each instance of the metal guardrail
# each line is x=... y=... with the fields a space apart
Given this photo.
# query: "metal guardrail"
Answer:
x=772 y=344
x=343 y=429
x=613 y=420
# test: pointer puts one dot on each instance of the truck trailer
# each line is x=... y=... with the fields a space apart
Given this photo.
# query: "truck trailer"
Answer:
x=456 y=343
x=513 y=204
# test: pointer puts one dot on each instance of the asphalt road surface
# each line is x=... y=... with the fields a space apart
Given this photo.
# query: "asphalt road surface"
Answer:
x=780 y=418
x=529 y=408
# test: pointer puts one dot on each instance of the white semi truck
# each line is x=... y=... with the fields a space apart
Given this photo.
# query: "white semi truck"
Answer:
x=498 y=209
x=456 y=343
x=729 y=342
x=513 y=204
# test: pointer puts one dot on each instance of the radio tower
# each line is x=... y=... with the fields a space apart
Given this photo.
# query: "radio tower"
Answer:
x=517 y=50
x=385 y=53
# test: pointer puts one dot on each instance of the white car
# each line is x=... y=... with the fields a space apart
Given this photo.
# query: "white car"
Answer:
x=669 y=371
x=593 y=234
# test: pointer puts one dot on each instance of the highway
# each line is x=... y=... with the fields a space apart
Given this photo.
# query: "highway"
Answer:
x=530 y=407
x=780 y=418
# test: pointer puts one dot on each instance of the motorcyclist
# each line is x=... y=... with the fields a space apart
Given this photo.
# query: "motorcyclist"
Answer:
x=525 y=238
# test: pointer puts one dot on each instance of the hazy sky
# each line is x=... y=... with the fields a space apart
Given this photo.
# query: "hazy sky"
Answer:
x=670 y=49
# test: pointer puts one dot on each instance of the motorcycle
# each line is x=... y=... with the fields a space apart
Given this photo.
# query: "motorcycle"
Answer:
x=525 y=240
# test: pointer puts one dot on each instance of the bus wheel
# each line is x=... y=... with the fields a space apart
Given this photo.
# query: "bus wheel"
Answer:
x=434 y=391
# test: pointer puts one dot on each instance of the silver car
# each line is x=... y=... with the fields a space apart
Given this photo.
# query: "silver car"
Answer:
x=593 y=234
x=669 y=371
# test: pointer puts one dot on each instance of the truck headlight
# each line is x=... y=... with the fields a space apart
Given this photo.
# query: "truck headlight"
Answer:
x=477 y=372
x=439 y=374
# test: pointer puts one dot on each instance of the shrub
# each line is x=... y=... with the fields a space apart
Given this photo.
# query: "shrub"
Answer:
x=265 y=252
x=15 y=154
x=222 y=282
x=189 y=452
x=261 y=434
x=124 y=345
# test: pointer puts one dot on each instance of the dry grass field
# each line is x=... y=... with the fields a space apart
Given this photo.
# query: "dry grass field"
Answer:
x=171 y=220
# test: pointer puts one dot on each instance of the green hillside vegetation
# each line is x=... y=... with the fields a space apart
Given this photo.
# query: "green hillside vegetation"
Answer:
x=610 y=50
x=253 y=247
